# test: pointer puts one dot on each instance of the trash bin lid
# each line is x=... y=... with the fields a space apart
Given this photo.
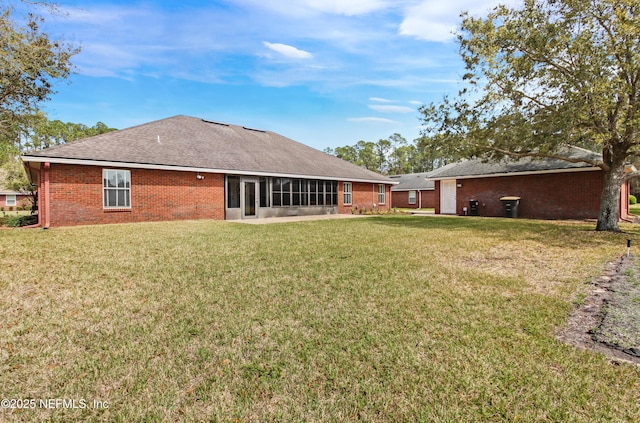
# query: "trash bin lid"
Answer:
x=509 y=198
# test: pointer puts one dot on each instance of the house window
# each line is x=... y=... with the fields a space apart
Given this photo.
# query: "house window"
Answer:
x=348 y=194
x=381 y=194
x=412 y=197
x=264 y=193
x=233 y=192
x=11 y=200
x=116 y=188
x=303 y=192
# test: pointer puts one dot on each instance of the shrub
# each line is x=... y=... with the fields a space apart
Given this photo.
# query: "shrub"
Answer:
x=1 y=208
x=633 y=199
x=16 y=221
x=10 y=208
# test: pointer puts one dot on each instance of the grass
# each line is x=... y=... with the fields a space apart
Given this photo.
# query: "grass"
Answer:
x=634 y=209
x=391 y=318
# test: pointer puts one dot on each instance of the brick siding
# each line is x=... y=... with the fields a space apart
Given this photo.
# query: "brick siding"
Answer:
x=400 y=199
x=156 y=195
x=364 y=197
x=569 y=195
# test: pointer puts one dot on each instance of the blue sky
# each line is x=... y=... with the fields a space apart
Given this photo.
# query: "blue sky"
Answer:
x=326 y=73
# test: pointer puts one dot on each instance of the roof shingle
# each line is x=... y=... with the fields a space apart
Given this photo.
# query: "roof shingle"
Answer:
x=184 y=141
x=479 y=168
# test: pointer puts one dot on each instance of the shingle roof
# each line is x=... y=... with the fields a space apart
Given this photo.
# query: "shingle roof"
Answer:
x=188 y=142
x=478 y=168
x=412 y=181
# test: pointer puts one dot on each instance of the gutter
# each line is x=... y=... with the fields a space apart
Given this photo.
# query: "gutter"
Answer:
x=46 y=199
x=131 y=165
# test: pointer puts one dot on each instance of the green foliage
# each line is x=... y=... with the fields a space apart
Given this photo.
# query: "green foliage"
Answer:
x=395 y=155
x=30 y=63
x=633 y=199
x=38 y=132
x=18 y=221
x=543 y=76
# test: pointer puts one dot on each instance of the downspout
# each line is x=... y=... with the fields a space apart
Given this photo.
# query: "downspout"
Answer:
x=46 y=199
x=420 y=199
x=35 y=225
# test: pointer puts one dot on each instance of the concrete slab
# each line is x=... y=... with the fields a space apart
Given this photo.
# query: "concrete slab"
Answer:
x=269 y=220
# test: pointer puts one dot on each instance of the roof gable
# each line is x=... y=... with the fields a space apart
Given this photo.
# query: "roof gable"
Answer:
x=188 y=142
x=413 y=181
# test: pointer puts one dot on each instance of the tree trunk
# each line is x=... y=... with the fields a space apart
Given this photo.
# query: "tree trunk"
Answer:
x=609 y=213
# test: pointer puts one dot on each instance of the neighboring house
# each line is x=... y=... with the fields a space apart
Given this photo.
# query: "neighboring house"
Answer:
x=9 y=198
x=188 y=168
x=13 y=199
x=414 y=190
x=548 y=188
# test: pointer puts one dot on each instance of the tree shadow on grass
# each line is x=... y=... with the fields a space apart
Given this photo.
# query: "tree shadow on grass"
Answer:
x=560 y=233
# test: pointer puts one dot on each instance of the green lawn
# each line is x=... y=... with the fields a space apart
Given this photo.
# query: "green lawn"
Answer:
x=634 y=209
x=383 y=319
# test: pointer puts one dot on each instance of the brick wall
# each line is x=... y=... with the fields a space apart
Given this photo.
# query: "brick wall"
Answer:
x=156 y=195
x=365 y=195
x=401 y=199
x=570 y=195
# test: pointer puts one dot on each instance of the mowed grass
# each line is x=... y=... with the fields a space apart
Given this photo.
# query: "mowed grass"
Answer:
x=379 y=319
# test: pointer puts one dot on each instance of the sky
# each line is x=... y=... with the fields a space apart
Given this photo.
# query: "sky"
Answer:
x=326 y=73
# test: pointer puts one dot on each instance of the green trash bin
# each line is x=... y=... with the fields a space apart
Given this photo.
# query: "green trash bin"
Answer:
x=510 y=206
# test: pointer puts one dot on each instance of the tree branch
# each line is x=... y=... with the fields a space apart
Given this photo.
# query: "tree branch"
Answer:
x=595 y=163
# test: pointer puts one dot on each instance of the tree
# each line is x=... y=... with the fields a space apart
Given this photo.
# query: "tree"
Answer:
x=29 y=64
x=548 y=74
x=35 y=132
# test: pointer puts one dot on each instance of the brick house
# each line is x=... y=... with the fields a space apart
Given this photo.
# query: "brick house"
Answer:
x=413 y=191
x=13 y=199
x=188 y=168
x=10 y=199
x=547 y=188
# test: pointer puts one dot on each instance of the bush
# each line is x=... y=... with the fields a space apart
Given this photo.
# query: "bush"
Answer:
x=633 y=199
x=17 y=221
x=10 y=208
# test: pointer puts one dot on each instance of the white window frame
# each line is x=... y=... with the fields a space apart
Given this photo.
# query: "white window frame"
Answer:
x=108 y=190
x=412 y=196
x=382 y=194
x=11 y=203
x=347 y=188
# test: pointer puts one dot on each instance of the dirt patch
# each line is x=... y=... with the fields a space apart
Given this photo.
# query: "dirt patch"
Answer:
x=607 y=316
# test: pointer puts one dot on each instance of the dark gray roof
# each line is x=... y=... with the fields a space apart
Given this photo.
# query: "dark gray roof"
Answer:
x=412 y=181
x=478 y=168
x=188 y=142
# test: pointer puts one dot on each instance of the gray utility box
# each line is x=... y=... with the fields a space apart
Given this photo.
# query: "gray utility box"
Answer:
x=510 y=206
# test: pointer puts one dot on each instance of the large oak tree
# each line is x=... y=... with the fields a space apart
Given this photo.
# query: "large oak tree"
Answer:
x=30 y=63
x=544 y=75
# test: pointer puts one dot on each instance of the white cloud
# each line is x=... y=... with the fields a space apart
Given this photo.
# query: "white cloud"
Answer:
x=391 y=109
x=312 y=7
x=437 y=20
x=288 y=51
x=346 y=7
x=381 y=100
x=371 y=120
